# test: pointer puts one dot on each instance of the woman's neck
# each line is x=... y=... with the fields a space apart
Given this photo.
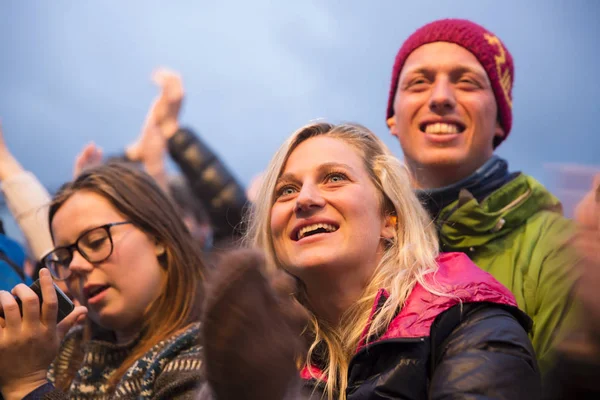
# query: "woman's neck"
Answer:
x=331 y=294
x=127 y=335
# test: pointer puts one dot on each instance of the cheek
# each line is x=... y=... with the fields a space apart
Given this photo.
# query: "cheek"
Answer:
x=406 y=106
x=278 y=220
x=484 y=110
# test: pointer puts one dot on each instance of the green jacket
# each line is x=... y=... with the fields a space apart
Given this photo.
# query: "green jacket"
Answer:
x=518 y=234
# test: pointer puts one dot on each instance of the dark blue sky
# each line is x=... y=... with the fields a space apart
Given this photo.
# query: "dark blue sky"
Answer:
x=73 y=72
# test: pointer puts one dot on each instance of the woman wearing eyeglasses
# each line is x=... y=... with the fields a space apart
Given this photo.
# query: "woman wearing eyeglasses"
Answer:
x=126 y=256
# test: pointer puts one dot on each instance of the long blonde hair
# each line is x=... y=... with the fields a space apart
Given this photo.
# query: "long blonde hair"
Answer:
x=406 y=260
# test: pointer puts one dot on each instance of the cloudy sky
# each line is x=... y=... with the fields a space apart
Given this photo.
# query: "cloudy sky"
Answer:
x=254 y=71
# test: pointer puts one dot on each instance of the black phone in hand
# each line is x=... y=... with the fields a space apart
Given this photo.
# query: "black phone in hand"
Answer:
x=65 y=305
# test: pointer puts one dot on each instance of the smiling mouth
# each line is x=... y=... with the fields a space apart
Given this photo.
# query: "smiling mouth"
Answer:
x=442 y=128
x=314 y=229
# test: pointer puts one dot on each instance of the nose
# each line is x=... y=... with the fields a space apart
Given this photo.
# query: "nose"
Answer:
x=309 y=198
x=442 y=100
x=79 y=264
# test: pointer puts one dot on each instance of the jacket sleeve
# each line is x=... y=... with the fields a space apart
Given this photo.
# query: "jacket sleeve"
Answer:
x=211 y=182
x=46 y=392
x=487 y=356
x=28 y=200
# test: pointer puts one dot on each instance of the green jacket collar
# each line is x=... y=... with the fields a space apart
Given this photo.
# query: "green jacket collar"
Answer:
x=467 y=223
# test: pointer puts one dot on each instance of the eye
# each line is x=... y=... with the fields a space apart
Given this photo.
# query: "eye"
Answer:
x=94 y=239
x=287 y=190
x=95 y=243
x=468 y=83
x=417 y=84
x=336 y=177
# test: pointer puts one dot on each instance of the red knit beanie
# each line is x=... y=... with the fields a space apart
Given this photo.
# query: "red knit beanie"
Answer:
x=485 y=46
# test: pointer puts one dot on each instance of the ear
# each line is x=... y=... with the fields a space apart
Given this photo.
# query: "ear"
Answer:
x=499 y=131
x=388 y=231
x=391 y=123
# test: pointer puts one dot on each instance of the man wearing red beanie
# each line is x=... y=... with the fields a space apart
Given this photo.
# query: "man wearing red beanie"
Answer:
x=450 y=106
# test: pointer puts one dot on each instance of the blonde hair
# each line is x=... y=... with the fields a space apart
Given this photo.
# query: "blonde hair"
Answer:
x=406 y=260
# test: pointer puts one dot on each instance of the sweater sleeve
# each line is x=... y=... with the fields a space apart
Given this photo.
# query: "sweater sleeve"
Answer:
x=211 y=182
x=28 y=201
x=182 y=379
x=487 y=356
x=46 y=392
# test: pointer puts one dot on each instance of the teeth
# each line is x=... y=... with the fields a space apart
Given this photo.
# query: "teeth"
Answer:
x=441 y=128
x=302 y=232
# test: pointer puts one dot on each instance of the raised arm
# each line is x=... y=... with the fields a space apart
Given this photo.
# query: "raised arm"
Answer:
x=27 y=200
x=210 y=179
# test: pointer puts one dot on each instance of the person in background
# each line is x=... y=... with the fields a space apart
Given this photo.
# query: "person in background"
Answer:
x=450 y=106
x=126 y=256
x=209 y=181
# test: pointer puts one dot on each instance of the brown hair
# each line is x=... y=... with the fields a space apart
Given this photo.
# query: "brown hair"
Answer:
x=135 y=194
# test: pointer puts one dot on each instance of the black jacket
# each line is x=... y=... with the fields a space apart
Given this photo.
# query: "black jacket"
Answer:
x=440 y=348
x=486 y=355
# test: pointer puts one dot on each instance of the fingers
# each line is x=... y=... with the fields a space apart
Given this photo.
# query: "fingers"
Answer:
x=30 y=303
x=169 y=81
x=12 y=315
x=90 y=156
x=49 y=299
x=76 y=316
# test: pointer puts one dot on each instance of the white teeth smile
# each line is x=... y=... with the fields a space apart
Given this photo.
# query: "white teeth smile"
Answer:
x=441 y=128
x=310 y=228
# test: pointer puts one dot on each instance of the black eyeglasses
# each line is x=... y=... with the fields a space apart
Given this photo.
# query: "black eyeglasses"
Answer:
x=95 y=245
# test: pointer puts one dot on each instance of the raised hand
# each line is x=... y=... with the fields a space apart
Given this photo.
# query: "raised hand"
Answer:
x=29 y=343
x=165 y=110
x=90 y=156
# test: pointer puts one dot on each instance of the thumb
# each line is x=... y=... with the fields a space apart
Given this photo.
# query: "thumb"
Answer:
x=77 y=315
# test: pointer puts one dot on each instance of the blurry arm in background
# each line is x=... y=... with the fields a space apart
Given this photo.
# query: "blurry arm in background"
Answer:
x=150 y=147
x=27 y=200
x=210 y=180
x=577 y=368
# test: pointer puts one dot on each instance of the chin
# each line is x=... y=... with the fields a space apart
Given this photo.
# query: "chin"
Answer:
x=446 y=157
x=310 y=262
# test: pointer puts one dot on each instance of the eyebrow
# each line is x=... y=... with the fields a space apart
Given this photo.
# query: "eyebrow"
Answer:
x=290 y=177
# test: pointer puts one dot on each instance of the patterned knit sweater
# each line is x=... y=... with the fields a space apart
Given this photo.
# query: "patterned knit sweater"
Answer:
x=170 y=370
